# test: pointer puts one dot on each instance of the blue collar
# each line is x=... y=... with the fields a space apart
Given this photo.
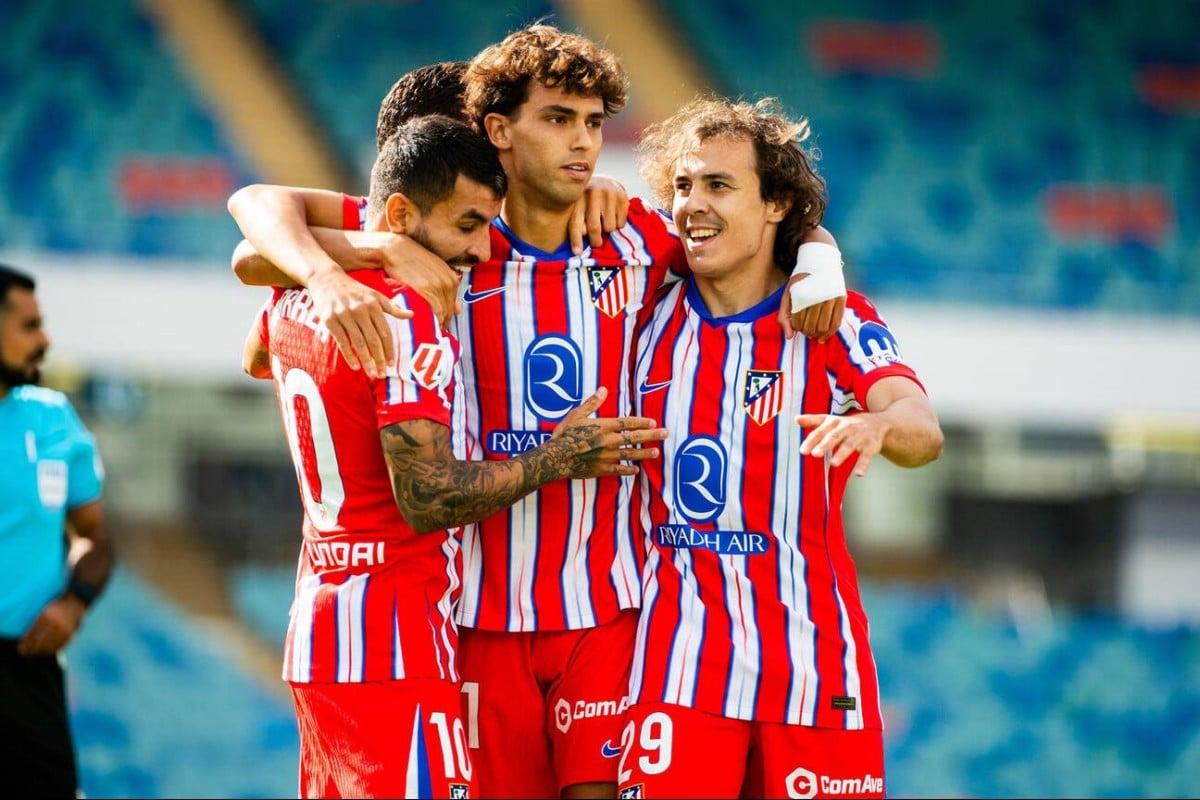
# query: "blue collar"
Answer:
x=769 y=305
x=563 y=253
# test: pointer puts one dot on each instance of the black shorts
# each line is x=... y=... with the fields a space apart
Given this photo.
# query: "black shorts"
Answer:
x=37 y=754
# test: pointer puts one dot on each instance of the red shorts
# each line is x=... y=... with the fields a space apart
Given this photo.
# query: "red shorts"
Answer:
x=548 y=706
x=673 y=751
x=388 y=739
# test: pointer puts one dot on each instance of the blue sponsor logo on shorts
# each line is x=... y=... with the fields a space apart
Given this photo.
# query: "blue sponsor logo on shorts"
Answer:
x=608 y=751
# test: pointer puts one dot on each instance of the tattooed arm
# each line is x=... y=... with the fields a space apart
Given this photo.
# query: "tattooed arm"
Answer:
x=435 y=491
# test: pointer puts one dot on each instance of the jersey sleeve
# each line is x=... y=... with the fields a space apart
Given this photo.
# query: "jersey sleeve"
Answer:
x=862 y=352
x=85 y=470
x=263 y=320
x=419 y=385
x=354 y=212
x=661 y=238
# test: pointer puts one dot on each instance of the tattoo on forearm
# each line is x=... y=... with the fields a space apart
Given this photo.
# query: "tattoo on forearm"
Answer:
x=434 y=490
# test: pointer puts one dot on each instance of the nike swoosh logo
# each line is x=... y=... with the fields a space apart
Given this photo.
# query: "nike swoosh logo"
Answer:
x=475 y=297
x=647 y=388
x=608 y=751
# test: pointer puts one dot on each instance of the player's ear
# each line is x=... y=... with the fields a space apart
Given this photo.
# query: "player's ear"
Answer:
x=778 y=208
x=399 y=212
x=496 y=127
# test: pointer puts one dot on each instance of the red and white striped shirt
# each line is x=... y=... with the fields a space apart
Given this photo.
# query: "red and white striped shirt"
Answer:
x=540 y=332
x=373 y=598
x=751 y=607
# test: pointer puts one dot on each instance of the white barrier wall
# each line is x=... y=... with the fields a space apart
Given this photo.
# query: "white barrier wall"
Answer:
x=1002 y=365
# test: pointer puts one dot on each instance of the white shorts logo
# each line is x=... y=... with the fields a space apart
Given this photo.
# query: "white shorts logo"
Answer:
x=801 y=783
x=565 y=711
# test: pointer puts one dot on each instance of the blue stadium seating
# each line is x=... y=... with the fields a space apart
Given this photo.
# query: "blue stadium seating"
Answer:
x=89 y=90
x=940 y=151
x=944 y=129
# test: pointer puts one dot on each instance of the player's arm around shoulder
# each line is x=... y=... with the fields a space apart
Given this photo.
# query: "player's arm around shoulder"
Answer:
x=434 y=490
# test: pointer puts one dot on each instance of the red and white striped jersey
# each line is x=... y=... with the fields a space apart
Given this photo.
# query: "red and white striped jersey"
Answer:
x=540 y=332
x=373 y=598
x=751 y=607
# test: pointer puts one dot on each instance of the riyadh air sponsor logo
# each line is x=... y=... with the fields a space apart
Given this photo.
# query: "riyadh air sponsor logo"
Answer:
x=565 y=712
x=734 y=543
x=700 y=466
x=608 y=750
x=474 y=297
x=553 y=377
x=513 y=443
x=803 y=783
x=878 y=344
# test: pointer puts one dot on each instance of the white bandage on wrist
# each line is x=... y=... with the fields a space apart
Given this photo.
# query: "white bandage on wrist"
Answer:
x=823 y=263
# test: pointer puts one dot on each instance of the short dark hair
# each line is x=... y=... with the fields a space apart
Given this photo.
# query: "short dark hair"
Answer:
x=424 y=158
x=10 y=277
x=433 y=89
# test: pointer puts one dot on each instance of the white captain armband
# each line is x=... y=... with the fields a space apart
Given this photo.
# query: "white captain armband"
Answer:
x=823 y=263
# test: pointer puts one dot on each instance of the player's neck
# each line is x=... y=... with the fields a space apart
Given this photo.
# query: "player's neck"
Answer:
x=535 y=221
x=738 y=290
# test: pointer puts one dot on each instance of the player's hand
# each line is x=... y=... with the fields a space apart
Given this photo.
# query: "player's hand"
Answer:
x=818 y=321
x=600 y=445
x=603 y=209
x=354 y=314
x=414 y=265
x=842 y=437
x=53 y=628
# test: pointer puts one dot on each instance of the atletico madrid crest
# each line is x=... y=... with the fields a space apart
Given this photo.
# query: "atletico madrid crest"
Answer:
x=762 y=394
x=610 y=289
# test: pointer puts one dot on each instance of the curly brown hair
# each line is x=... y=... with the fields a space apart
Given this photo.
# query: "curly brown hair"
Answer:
x=786 y=169
x=499 y=77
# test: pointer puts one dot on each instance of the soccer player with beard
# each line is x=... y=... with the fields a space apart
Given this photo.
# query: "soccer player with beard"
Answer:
x=552 y=585
x=753 y=675
x=371 y=648
x=50 y=485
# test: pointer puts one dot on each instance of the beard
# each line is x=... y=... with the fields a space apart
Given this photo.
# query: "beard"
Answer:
x=11 y=377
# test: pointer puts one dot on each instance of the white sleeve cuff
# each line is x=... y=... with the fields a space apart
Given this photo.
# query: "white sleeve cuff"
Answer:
x=823 y=263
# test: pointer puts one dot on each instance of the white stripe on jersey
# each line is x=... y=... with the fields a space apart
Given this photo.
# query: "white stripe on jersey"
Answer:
x=412 y=773
x=854 y=719
x=575 y=579
x=801 y=633
x=350 y=628
x=398 y=671
x=685 y=652
x=300 y=668
x=445 y=607
x=739 y=598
